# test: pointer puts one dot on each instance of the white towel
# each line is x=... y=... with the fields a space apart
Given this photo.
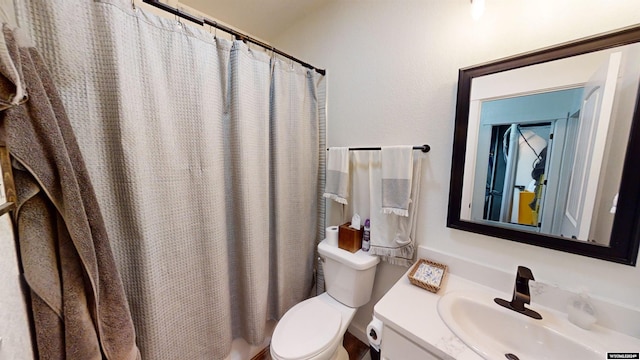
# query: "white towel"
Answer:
x=392 y=236
x=337 y=182
x=397 y=171
x=12 y=72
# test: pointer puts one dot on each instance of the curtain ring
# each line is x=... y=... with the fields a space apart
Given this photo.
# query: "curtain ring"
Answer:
x=211 y=30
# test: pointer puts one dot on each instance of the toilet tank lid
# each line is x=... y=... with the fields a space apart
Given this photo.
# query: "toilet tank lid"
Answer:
x=360 y=260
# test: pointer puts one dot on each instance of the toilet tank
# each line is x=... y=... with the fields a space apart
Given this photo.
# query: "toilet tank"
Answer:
x=348 y=276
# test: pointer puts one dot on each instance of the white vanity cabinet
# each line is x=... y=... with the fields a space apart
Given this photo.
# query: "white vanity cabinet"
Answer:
x=397 y=347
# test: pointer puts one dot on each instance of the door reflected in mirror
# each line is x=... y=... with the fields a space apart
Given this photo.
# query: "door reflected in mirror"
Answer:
x=541 y=146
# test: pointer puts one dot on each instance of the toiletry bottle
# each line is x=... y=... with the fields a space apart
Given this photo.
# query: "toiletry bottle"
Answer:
x=366 y=235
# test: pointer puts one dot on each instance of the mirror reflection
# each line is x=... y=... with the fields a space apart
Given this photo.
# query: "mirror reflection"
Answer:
x=546 y=144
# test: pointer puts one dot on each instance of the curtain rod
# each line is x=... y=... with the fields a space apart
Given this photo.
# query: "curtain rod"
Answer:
x=237 y=34
x=424 y=148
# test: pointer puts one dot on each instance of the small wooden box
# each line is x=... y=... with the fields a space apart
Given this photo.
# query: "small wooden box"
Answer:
x=349 y=238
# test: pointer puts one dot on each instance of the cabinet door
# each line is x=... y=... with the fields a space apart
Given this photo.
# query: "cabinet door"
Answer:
x=397 y=347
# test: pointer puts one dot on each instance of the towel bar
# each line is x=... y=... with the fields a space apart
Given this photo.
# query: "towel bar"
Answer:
x=424 y=148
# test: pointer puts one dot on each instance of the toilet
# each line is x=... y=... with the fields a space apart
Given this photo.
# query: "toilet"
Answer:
x=314 y=328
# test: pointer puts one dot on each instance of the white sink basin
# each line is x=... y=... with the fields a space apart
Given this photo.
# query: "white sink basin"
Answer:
x=493 y=331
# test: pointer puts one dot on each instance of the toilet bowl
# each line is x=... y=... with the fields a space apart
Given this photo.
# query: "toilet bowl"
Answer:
x=314 y=328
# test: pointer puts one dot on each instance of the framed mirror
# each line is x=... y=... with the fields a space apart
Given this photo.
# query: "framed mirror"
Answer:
x=546 y=144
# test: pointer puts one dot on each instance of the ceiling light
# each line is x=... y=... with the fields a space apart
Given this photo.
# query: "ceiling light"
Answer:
x=477 y=9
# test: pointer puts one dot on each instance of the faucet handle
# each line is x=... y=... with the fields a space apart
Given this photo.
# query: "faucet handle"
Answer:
x=521 y=295
x=525 y=273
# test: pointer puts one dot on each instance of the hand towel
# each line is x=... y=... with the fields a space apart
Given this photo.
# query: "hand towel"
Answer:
x=337 y=182
x=393 y=236
x=397 y=170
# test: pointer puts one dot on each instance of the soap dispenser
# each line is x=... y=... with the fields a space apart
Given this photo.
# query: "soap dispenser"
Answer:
x=581 y=311
x=366 y=237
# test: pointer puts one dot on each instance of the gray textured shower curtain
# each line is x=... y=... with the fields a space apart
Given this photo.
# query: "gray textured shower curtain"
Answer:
x=206 y=159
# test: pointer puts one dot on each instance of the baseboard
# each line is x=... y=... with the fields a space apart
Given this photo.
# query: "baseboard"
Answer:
x=359 y=332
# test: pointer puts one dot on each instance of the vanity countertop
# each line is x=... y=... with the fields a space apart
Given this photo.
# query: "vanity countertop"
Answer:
x=413 y=313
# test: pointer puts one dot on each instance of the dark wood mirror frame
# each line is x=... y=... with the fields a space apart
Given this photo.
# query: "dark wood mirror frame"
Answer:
x=625 y=235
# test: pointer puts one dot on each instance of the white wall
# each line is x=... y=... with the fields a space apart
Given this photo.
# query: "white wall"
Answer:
x=392 y=67
x=15 y=339
x=14 y=321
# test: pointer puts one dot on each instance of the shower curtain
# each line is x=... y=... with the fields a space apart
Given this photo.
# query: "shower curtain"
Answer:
x=206 y=156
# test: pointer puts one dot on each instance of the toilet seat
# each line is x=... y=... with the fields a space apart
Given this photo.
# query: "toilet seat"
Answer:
x=306 y=330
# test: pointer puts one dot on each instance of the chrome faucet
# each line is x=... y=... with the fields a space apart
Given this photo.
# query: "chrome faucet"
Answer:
x=521 y=294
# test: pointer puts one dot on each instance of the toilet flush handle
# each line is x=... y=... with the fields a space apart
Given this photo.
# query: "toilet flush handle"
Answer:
x=320 y=259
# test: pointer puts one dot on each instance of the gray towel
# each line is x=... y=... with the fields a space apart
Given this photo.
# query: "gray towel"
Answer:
x=78 y=302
